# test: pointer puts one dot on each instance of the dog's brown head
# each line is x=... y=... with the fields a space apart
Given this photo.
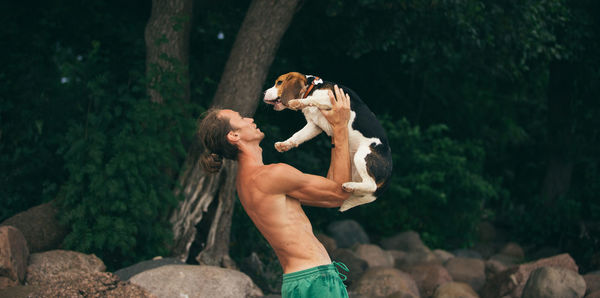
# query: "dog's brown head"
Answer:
x=287 y=87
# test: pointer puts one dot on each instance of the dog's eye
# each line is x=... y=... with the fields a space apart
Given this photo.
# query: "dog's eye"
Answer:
x=279 y=83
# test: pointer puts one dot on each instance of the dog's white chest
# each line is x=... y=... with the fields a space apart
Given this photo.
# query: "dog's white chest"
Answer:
x=313 y=114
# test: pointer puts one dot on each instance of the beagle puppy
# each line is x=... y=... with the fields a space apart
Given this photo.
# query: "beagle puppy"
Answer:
x=369 y=148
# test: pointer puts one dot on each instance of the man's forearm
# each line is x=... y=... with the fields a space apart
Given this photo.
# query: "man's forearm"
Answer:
x=340 y=169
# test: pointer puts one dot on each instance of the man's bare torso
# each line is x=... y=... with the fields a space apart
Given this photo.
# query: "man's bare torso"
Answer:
x=282 y=222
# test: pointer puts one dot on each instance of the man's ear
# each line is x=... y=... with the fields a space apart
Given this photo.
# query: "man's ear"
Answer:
x=233 y=137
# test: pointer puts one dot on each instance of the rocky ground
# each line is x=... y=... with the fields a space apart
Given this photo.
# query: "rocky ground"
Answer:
x=399 y=266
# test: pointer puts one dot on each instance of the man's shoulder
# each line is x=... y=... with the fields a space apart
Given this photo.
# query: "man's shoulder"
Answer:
x=274 y=176
x=275 y=169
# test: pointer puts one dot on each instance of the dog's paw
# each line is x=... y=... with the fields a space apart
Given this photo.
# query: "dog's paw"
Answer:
x=284 y=146
x=349 y=186
x=295 y=104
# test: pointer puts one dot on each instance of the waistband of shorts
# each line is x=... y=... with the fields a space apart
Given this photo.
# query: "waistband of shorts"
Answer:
x=288 y=277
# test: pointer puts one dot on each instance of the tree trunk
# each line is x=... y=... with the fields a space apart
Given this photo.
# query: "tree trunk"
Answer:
x=167 y=36
x=201 y=224
x=559 y=168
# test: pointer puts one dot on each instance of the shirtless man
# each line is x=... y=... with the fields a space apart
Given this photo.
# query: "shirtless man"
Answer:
x=273 y=195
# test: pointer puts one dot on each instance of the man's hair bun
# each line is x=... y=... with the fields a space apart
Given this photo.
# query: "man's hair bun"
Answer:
x=211 y=162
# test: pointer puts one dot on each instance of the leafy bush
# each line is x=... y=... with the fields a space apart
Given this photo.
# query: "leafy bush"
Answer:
x=437 y=187
x=121 y=157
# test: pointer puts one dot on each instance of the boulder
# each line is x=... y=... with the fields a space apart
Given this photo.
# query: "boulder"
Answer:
x=13 y=257
x=510 y=282
x=454 y=290
x=467 y=253
x=268 y=279
x=514 y=250
x=467 y=270
x=550 y=282
x=374 y=255
x=19 y=291
x=592 y=282
x=408 y=241
x=416 y=258
x=493 y=267
x=356 y=265
x=429 y=277
x=40 y=227
x=96 y=284
x=328 y=242
x=485 y=249
x=595 y=294
x=381 y=282
x=60 y=265
x=505 y=260
x=443 y=255
x=196 y=281
x=127 y=272
x=347 y=233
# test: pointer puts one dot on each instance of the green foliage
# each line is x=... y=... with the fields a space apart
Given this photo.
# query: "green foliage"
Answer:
x=437 y=187
x=121 y=157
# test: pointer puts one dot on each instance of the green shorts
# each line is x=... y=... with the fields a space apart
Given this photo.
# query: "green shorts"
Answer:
x=321 y=281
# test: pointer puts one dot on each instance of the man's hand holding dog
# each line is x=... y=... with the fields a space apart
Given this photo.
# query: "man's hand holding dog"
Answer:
x=339 y=114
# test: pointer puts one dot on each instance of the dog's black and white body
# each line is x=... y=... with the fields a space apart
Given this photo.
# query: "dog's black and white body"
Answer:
x=369 y=147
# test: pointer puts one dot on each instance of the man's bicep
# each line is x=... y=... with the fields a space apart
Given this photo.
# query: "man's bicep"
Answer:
x=317 y=189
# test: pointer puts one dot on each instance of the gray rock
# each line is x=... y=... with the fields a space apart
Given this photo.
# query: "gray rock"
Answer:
x=513 y=250
x=127 y=272
x=13 y=257
x=328 y=242
x=550 y=282
x=467 y=253
x=443 y=255
x=510 y=282
x=356 y=265
x=595 y=294
x=505 y=260
x=455 y=290
x=429 y=277
x=61 y=265
x=593 y=282
x=374 y=255
x=196 y=281
x=408 y=241
x=268 y=279
x=381 y=282
x=485 y=249
x=493 y=267
x=347 y=233
x=417 y=258
x=40 y=227
x=97 y=284
x=467 y=270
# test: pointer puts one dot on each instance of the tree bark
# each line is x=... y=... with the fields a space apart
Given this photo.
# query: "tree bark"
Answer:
x=167 y=37
x=201 y=223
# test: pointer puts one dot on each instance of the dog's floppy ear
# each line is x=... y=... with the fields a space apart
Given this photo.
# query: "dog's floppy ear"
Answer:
x=291 y=89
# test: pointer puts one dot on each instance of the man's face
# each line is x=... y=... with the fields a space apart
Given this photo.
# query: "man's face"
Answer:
x=244 y=127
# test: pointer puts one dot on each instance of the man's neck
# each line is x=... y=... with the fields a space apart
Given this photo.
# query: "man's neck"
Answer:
x=250 y=156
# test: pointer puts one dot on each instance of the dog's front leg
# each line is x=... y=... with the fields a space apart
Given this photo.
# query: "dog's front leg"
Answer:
x=309 y=131
x=319 y=99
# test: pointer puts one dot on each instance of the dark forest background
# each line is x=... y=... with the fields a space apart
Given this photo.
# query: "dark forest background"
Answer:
x=492 y=109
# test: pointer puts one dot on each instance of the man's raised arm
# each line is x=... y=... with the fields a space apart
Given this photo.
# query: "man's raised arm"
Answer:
x=340 y=169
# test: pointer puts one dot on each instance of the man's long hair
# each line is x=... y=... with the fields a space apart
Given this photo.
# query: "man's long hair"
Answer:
x=212 y=132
